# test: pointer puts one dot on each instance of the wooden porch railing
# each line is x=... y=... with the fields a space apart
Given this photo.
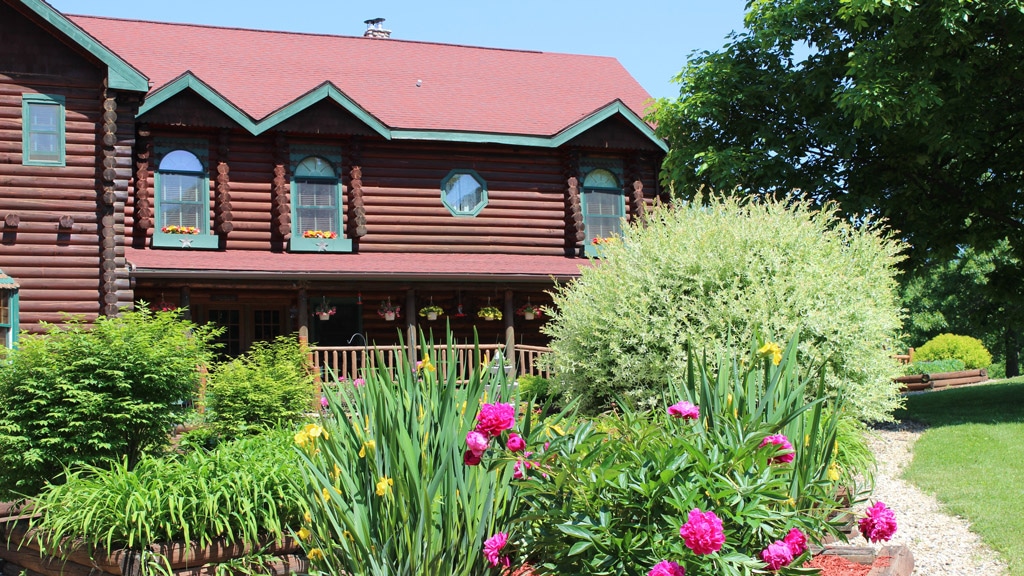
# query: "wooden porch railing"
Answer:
x=348 y=361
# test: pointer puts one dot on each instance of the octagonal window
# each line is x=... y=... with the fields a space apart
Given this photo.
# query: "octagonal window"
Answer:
x=464 y=192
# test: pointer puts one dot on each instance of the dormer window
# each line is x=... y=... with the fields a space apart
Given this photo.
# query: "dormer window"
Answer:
x=317 y=200
x=183 y=199
x=604 y=206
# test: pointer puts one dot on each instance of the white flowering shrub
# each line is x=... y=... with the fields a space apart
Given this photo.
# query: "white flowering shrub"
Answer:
x=712 y=275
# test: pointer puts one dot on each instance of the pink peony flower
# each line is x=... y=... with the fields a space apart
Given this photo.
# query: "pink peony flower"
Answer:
x=476 y=441
x=494 y=419
x=666 y=568
x=684 y=410
x=797 y=542
x=470 y=458
x=323 y=401
x=702 y=532
x=782 y=444
x=515 y=442
x=358 y=382
x=879 y=524
x=517 y=470
x=777 y=555
x=492 y=549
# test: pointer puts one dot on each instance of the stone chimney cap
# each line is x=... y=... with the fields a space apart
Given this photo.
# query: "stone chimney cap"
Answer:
x=375 y=29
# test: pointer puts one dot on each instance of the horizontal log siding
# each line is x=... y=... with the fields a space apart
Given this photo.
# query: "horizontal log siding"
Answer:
x=402 y=190
x=525 y=213
x=58 y=269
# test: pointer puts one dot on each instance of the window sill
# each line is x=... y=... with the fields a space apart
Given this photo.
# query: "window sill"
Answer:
x=320 y=245
x=186 y=241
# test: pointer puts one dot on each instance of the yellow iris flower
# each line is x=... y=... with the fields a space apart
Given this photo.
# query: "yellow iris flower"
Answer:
x=384 y=485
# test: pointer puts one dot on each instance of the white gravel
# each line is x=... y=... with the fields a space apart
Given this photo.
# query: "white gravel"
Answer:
x=942 y=545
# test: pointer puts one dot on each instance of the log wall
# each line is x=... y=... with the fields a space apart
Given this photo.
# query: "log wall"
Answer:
x=54 y=250
x=400 y=193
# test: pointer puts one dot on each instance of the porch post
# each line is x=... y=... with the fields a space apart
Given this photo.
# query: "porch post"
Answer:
x=410 y=324
x=510 y=331
x=185 y=301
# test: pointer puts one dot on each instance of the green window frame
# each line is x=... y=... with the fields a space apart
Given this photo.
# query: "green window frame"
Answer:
x=317 y=201
x=43 y=139
x=603 y=203
x=464 y=192
x=182 y=195
x=8 y=311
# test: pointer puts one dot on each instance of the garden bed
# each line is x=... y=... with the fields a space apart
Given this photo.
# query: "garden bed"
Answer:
x=918 y=382
x=20 y=552
x=863 y=561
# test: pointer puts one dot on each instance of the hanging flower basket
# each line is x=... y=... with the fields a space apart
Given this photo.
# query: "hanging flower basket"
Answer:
x=431 y=312
x=489 y=313
x=530 y=311
x=389 y=311
x=324 y=311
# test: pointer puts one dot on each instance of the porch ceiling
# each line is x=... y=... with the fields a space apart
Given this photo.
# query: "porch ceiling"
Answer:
x=243 y=264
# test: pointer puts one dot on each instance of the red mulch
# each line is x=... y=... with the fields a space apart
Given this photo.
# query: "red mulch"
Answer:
x=831 y=565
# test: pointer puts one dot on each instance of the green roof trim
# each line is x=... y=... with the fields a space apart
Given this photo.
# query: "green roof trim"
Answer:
x=120 y=74
x=189 y=81
x=328 y=91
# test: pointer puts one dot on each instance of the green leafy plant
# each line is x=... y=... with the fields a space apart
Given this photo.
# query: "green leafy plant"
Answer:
x=965 y=348
x=431 y=309
x=489 y=313
x=531 y=386
x=268 y=385
x=610 y=498
x=934 y=366
x=385 y=483
x=242 y=491
x=80 y=394
x=711 y=275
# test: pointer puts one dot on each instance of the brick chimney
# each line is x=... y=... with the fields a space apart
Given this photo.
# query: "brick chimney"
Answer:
x=375 y=29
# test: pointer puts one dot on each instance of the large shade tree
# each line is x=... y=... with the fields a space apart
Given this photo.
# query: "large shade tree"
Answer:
x=909 y=110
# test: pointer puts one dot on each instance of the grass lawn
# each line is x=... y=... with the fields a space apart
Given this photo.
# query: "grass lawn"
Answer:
x=972 y=458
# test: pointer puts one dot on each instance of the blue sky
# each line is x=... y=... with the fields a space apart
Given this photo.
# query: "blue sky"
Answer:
x=652 y=39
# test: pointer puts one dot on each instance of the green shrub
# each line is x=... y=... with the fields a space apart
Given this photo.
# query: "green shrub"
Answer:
x=240 y=491
x=965 y=348
x=712 y=274
x=934 y=366
x=385 y=482
x=534 y=387
x=612 y=501
x=86 y=395
x=267 y=386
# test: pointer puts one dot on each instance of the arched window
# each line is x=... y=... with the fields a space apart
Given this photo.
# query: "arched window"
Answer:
x=182 y=197
x=315 y=193
x=604 y=206
x=316 y=198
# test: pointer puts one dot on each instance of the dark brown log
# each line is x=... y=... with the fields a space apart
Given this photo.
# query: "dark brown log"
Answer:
x=11 y=220
x=109 y=139
x=959 y=381
x=913 y=378
x=957 y=375
x=66 y=221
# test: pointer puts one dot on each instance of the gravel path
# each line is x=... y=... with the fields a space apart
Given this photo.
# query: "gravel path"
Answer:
x=943 y=545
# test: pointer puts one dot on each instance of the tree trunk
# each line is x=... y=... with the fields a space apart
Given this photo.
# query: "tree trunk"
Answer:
x=1012 y=348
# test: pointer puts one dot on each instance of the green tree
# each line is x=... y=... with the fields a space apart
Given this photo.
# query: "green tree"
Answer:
x=975 y=294
x=908 y=110
x=88 y=395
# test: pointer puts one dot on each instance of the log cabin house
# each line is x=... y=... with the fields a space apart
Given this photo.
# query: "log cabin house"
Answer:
x=265 y=180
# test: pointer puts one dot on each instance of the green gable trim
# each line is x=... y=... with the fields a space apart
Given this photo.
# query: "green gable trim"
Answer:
x=189 y=81
x=555 y=141
x=120 y=74
x=327 y=91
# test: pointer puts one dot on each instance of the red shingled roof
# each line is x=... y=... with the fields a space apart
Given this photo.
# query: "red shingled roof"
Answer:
x=463 y=88
x=381 y=266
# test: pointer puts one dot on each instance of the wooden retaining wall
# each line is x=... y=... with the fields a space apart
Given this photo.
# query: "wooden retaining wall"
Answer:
x=19 y=554
x=917 y=382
